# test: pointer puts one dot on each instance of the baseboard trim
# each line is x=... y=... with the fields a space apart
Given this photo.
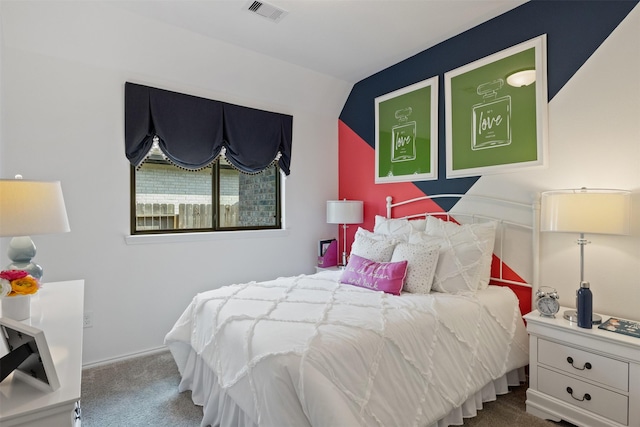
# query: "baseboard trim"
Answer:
x=125 y=357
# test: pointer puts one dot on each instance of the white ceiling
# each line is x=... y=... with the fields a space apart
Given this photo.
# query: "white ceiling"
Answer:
x=346 y=39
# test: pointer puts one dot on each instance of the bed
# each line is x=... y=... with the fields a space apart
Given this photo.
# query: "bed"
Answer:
x=354 y=348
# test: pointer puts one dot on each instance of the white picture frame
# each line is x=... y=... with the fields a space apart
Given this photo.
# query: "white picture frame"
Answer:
x=520 y=140
x=408 y=115
x=38 y=368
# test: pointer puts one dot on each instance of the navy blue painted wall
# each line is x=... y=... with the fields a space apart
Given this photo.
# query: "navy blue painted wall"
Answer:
x=574 y=28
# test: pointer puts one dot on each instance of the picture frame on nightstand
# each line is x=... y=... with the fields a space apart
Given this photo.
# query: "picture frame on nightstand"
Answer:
x=327 y=253
x=27 y=355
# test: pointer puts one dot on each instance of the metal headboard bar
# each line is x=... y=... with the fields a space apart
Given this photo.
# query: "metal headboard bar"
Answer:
x=474 y=217
x=391 y=205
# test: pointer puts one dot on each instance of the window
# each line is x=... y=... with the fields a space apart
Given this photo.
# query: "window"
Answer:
x=203 y=165
x=169 y=199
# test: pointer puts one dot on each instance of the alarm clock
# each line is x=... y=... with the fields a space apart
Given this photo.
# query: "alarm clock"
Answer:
x=547 y=301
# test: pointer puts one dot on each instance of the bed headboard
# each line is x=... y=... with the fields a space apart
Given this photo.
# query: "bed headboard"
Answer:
x=516 y=250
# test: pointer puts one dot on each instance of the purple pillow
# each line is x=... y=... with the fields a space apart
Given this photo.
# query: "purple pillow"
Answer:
x=378 y=276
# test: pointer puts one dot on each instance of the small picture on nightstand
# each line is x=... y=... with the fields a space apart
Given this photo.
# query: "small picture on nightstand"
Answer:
x=327 y=253
x=28 y=355
x=621 y=326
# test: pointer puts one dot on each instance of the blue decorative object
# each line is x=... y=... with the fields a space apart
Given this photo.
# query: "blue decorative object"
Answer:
x=584 y=304
x=21 y=251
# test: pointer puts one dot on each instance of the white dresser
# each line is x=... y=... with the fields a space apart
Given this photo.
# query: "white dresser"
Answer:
x=589 y=377
x=57 y=309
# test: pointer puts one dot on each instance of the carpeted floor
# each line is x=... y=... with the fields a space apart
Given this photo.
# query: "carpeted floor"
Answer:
x=136 y=393
x=144 y=392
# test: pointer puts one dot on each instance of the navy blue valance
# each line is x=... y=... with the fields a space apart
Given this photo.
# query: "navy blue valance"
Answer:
x=192 y=131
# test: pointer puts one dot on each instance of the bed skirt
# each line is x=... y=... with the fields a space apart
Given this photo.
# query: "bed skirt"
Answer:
x=220 y=410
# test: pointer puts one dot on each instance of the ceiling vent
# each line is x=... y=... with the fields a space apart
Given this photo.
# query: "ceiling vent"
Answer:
x=266 y=10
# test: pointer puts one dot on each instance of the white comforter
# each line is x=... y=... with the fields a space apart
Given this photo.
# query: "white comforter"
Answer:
x=309 y=351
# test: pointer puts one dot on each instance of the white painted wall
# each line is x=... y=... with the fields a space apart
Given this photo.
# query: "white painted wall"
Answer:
x=1 y=115
x=63 y=68
x=594 y=141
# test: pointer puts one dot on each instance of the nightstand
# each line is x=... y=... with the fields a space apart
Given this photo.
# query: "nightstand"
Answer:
x=588 y=377
x=59 y=314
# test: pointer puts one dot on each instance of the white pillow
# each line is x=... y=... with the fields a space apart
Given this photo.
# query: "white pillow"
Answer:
x=422 y=261
x=400 y=228
x=370 y=234
x=373 y=247
x=464 y=262
x=483 y=234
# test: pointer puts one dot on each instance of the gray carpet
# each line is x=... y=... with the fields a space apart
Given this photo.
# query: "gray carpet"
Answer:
x=135 y=393
x=144 y=392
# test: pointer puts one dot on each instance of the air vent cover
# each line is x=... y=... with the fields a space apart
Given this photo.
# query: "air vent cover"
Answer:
x=266 y=10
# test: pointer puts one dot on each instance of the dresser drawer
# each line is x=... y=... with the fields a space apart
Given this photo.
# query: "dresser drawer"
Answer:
x=604 y=370
x=584 y=395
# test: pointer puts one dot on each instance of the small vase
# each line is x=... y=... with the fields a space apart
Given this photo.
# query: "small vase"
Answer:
x=17 y=307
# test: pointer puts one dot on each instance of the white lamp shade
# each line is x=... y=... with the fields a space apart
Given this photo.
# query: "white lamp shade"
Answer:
x=344 y=212
x=31 y=207
x=586 y=211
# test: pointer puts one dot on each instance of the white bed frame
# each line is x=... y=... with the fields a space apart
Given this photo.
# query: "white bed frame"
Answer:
x=525 y=218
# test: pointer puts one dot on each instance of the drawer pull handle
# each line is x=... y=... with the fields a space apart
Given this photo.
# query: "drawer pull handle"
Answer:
x=586 y=365
x=587 y=396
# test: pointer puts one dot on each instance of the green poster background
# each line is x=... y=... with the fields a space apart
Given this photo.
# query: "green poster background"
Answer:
x=392 y=123
x=499 y=128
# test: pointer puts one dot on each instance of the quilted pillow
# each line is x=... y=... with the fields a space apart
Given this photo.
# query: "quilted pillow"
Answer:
x=374 y=247
x=400 y=228
x=421 y=268
x=378 y=276
x=370 y=234
x=464 y=262
x=483 y=234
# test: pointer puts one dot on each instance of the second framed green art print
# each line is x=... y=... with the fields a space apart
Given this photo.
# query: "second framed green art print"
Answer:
x=496 y=112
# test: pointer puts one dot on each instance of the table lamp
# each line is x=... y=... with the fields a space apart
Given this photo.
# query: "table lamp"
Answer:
x=598 y=211
x=29 y=208
x=344 y=212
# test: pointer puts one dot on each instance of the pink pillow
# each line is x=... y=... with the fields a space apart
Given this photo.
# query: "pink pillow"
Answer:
x=378 y=276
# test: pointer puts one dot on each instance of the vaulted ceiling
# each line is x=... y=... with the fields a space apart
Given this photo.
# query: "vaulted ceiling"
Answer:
x=346 y=39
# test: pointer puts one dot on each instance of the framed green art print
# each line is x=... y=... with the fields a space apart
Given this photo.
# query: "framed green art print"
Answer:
x=496 y=112
x=406 y=123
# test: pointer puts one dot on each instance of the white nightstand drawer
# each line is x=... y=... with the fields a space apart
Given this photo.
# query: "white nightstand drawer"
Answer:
x=584 y=395
x=604 y=370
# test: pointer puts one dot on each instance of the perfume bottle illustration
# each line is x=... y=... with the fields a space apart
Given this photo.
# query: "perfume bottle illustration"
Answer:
x=403 y=137
x=491 y=119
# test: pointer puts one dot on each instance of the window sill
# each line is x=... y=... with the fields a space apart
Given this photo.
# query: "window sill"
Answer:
x=146 y=239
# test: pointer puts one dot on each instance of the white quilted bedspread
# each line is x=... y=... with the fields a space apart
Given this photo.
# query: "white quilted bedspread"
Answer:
x=307 y=350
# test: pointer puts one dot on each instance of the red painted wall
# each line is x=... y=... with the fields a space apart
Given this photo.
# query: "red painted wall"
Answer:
x=356 y=182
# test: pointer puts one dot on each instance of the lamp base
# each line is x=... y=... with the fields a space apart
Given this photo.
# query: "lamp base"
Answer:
x=572 y=316
x=34 y=270
x=21 y=251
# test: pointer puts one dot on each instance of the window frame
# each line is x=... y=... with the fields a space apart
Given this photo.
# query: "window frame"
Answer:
x=215 y=192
